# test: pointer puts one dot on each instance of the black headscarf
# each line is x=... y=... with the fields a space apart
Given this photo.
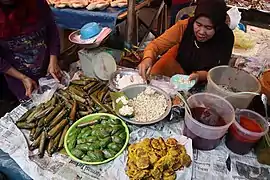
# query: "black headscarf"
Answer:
x=214 y=52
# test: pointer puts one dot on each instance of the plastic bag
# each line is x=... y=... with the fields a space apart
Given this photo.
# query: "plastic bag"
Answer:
x=47 y=87
x=243 y=40
x=235 y=17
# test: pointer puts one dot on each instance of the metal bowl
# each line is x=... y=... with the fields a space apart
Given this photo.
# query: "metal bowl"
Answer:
x=133 y=90
x=121 y=72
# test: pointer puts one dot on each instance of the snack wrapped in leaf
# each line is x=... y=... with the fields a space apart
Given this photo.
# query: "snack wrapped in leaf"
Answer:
x=120 y=104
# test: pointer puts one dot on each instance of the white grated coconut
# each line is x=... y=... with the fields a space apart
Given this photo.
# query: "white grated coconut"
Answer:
x=148 y=105
x=127 y=80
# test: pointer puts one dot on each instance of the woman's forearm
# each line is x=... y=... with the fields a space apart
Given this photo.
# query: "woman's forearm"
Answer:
x=15 y=73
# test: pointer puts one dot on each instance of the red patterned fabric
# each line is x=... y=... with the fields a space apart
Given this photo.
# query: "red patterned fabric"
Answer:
x=14 y=18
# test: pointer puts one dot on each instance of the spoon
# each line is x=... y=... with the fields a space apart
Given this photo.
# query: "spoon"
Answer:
x=185 y=102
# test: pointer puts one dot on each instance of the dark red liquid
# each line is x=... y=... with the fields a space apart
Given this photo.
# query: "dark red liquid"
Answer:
x=240 y=143
x=208 y=117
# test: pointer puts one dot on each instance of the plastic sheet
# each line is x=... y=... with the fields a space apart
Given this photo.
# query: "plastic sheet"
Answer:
x=75 y=19
x=10 y=168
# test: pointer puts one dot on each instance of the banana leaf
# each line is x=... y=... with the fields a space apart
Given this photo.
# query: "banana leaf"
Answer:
x=119 y=105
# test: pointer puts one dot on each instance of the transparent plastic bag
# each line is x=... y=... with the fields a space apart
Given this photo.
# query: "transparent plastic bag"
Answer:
x=47 y=87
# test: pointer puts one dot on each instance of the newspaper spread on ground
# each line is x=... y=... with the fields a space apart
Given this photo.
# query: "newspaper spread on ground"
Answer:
x=218 y=164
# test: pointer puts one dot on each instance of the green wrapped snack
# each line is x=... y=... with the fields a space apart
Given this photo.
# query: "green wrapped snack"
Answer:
x=118 y=140
x=104 y=142
x=115 y=147
x=85 y=129
x=81 y=141
x=123 y=135
x=115 y=121
x=80 y=136
x=103 y=133
x=105 y=123
x=75 y=132
x=87 y=159
x=94 y=132
x=86 y=134
x=77 y=153
x=98 y=126
x=71 y=142
x=108 y=153
x=91 y=139
x=116 y=128
x=120 y=132
x=96 y=155
x=83 y=147
x=94 y=146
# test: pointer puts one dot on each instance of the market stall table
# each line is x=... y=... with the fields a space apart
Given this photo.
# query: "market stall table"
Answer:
x=219 y=163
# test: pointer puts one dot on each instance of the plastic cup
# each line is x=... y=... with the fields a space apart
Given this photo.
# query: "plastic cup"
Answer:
x=206 y=137
x=240 y=140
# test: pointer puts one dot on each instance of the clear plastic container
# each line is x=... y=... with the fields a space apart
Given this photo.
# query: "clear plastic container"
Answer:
x=207 y=137
x=246 y=131
x=235 y=79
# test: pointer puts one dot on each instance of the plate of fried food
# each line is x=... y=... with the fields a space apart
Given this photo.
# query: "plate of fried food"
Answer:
x=154 y=155
x=156 y=158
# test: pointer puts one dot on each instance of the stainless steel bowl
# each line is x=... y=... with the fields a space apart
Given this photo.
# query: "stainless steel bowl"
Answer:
x=133 y=90
x=121 y=72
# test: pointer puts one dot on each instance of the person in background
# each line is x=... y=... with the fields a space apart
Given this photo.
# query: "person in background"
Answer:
x=192 y=46
x=29 y=44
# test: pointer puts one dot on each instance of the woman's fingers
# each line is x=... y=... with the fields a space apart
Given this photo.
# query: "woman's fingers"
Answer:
x=54 y=76
x=145 y=68
x=29 y=86
x=193 y=76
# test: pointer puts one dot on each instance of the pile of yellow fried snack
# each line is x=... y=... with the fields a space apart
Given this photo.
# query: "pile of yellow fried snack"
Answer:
x=156 y=159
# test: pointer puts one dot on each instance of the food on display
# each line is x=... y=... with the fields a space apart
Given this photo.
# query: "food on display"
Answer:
x=253 y=4
x=156 y=159
x=48 y=122
x=243 y=40
x=98 y=139
x=148 y=105
x=246 y=131
x=127 y=80
x=68 y=3
x=119 y=3
x=88 y=4
x=209 y=117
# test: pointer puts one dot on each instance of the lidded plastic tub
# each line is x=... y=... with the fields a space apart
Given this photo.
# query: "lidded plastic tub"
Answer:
x=246 y=131
x=207 y=137
x=235 y=79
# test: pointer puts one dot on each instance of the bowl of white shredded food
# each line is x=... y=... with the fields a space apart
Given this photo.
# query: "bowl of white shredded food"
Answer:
x=150 y=104
x=123 y=78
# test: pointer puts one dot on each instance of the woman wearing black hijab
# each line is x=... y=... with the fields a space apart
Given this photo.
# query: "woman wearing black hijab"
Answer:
x=192 y=46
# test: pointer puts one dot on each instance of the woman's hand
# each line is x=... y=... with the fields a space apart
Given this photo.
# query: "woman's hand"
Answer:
x=194 y=76
x=54 y=68
x=145 y=67
x=29 y=85
x=199 y=76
